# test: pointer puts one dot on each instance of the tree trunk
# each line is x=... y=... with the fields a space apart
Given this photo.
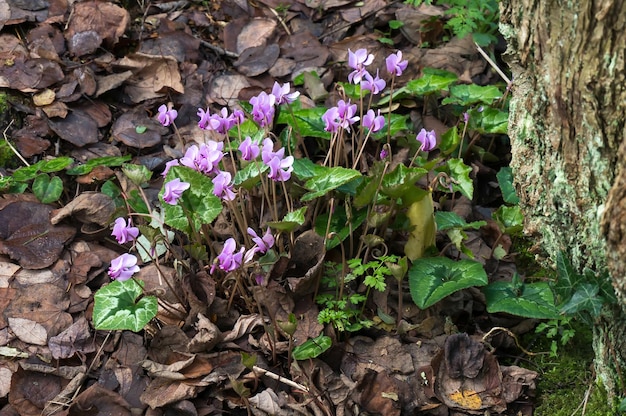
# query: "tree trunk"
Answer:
x=567 y=128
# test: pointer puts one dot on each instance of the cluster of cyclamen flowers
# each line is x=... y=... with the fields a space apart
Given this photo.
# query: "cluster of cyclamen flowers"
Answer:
x=125 y=266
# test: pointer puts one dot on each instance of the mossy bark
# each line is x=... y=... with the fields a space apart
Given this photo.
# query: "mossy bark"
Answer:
x=567 y=128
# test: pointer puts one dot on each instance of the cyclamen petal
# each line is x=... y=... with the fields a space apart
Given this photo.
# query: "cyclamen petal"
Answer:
x=166 y=115
x=174 y=190
x=395 y=64
x=249 y=150
x=428 y=140
x=123 y=267
x=124 y=233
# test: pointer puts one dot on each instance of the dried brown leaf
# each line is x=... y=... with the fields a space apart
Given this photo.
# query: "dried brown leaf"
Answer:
x=28 y=331
x=101 y=401
x=76 y=338
x=88 y=208
x=255 y=33
x=30 y=391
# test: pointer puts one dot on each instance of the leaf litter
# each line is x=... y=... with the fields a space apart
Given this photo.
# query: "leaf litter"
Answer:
x=97 y=72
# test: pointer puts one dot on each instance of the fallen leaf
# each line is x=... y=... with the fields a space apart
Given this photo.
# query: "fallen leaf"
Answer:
x=92 y=23
x=30 y=391
x=28 y=331
x=27 y=235
x=255 y=33
x=76 y=338
x=98 y=400
x=77 y=128
x=5 y=381
x=88 y=208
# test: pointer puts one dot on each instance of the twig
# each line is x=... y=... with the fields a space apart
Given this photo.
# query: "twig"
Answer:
x=217 y=49
x=4 y=133
x=281 y=20
x=512 y=335
x=493 y=65
x=280 y=378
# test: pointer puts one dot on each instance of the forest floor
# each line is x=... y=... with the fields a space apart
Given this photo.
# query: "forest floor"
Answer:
x=86 y=80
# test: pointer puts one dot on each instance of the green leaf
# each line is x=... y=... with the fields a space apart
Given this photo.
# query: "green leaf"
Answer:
x=492 y=120
x=396 y=24
x=468 y=94
x=140 y=129
x=505 y=180
x=138 y=174
x=510 y=219
x=116 y=307
x=533 y=300
x=56 y=164
x=339 y=224
x=109 y=161
x=27 y=173
x=567 y=279
x=459 y=172
x=201 y=204
x=312 y=348
x=47 y=189
x=432 y=279
x=400 y=184
x=328 y=179
x=290 y=221
x=586 y=298
x=432 y=80
x=250 y=175
x=306 y=121
x=447 y=220
x=450 y=141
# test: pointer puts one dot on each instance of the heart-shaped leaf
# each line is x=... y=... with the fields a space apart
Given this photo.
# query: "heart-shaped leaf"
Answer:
x=47 y=189
x=533 y=300
x=116 y=306
x=311 y=348
x=432 y=279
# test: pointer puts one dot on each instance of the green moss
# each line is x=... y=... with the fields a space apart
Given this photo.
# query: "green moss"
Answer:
x=566 y=382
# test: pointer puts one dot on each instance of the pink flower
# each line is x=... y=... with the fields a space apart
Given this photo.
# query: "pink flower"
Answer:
x=358 y=61
x=262 y=244
x=124 y=233
x=228 y=260
x=280 y=169
x=282 y=93
x=428 y=140
x=204 y=159
x=166 y=115
x=168 y=165
x=395 y=64
x=373 y=122
x=174 y=190
x=263 y=108
x=123 y=267
x=222 y=187
x=375 y=85
x=249 y=150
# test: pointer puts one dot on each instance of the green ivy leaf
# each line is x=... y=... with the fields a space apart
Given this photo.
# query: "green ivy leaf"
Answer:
x=47 y=189
x=290 y=221
x=200 y=203
x=505 y=180
x=533 y=300
x=400 y=184
x=586 y=298
x=138 y=174
x=433 y=278
x=327 y=179
x=312 y=348
x=116 y=307
x=56 y=164
x=468 y=94
x=567 y=279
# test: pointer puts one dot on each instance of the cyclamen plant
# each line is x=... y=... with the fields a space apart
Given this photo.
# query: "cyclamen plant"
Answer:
x=217 y=174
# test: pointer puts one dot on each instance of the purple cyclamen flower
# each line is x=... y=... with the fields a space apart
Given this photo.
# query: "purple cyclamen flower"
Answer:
x=205 y=158
x=238 y=117
x=207 y=120
x=174 y=190
x=263 y=108
x=466 y=117
x=383 y=154
x=123 y=267
x=331 y=119
x=228 y=260
x=428 y=140
x=375 y=85
x=166 y=115
x=249 y=150
x=280 y=168
x=124 y=233
x=268 y=153
x=262 y=244
x=372 y=121
x=282 y=93
x=168 y=165
x=395 y=64
x=358 y=61
x=222 y=187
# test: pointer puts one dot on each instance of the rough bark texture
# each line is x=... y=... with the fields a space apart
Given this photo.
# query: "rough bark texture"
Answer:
x=567 y=130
